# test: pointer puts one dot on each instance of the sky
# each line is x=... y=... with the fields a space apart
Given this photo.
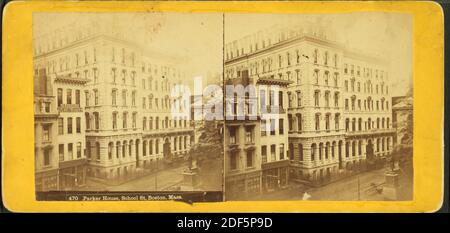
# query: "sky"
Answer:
x=192 y=41
x=388 y=35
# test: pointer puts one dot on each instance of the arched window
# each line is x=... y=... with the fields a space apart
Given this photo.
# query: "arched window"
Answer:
x=110 y=149
x=320 y=150
x=117 y=149
x=144 y=148
x=313 y=151
x=97 y=150
x=327 y=147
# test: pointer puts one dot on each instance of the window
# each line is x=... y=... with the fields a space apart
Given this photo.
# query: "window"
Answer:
x=346 y=104
x=86 y=94
x=346 y=85
x=114 y=120
x=335 y=60
x=272 y=126
x=273 y=152
x=60 y=126
x=60 y=96
x=69 y=96
x=299 y=122
x=79 y=150
x=281 y=151
x=263 y=127
x=264 y=154
x=124 y=98
x=313 y=151
x=96 y=97
x=144 y=103
x=97 y=120
x=69 y=125
x=114 y=97
x=124 y=120
x=77 y=97
x=299 y=99
x=335 y=79
x=113 y=75
x=336 y=99
x=315 y=55
x=336 y=121
x=316 y=77
x=110 y=150
x=317 y=121
x=70 y=151
x=327 y=122
x=249 y=135
x=233 y=160
x=250 y=158
x=327 y=99
x=61 y=152
x=134 y=120
x=47 y=157
x=133 y=98
x=150 y=123
x=78 y=124
x=281 y=126
x=289 y=99
x=232 y=136
x=316 y=98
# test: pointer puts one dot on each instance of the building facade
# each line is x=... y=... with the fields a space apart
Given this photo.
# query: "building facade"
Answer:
x=337 y=100
x=114 y=105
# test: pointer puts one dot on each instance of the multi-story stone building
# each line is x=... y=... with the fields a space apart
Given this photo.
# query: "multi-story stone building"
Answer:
x=337 y=101
x=117 y=97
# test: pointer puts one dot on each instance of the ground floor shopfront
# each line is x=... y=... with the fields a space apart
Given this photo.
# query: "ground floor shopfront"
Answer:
x=47 y=180
x=320 y=162
x=72 y=174
x=275 y=175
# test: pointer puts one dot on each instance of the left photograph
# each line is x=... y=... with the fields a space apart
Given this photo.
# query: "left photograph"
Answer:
x=118 y=106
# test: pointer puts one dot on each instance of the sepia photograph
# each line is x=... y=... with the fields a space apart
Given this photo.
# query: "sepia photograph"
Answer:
x=260 y=106
x=115 y=107
x=318 y=107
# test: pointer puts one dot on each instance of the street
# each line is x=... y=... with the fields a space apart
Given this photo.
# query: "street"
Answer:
x=167 y=179
x=345 y=189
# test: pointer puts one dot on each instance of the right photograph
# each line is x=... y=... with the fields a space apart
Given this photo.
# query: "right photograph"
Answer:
x=318 y=107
